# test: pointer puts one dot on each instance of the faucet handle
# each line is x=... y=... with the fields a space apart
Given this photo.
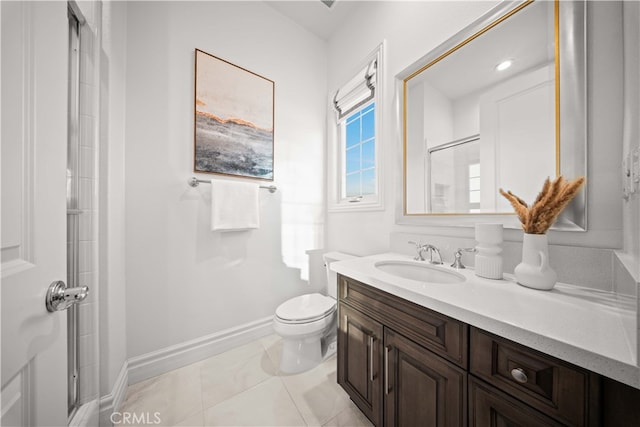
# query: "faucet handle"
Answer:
x=419 y=248
x=457 y=262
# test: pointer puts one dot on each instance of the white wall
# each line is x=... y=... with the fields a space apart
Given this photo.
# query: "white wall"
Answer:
x=183 y=281
x=412 y=29
x=112 y=280
x=417 y=181
x=466 y=113
x=518 y=127
x=438 y=116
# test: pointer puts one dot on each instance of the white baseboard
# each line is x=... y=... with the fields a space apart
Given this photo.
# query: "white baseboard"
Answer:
x=112 y=402
x=630 y=263
x=167 y=359
x=86 y=416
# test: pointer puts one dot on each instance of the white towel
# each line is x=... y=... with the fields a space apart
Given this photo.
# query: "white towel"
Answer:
x=234 y=205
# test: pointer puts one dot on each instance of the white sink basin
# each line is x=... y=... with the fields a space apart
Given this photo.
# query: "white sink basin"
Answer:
x=419 y=271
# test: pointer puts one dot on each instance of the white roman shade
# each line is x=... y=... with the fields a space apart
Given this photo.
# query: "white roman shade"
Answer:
x=357 y=91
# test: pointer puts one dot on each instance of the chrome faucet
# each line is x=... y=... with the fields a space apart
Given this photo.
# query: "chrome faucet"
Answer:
x=421 y=248
x=432 y=249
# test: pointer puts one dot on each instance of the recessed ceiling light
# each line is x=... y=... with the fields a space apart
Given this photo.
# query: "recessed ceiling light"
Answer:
x=504 y=65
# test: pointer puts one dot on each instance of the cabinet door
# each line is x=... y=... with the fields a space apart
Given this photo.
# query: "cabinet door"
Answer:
x=489 y=407
x=421 y=389
x=359 y=367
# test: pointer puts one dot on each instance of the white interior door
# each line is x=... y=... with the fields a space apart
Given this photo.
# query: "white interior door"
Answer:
x=33 y=120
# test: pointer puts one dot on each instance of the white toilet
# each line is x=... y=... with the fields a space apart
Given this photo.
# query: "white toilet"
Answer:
x=308 y=324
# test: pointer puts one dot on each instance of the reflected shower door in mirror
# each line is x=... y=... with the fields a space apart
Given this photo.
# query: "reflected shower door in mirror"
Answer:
x=483 y=116
x=456 y=162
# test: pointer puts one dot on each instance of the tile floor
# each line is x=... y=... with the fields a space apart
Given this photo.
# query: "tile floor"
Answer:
x=243 y=387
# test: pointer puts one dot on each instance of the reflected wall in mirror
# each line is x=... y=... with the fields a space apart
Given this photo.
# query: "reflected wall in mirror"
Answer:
x=483 y=110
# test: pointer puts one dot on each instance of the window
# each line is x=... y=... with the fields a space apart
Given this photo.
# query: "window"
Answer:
x=360 y=153
x=355 y=175
x=474 y=188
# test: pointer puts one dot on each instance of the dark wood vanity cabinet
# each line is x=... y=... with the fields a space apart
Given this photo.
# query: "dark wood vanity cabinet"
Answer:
x=405 y=365
x=391 y=376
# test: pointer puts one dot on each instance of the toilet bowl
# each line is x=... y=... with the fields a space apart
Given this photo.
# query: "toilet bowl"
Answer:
x=308 y=324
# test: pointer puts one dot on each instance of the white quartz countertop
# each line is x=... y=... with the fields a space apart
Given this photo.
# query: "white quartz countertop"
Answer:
x=583 y=326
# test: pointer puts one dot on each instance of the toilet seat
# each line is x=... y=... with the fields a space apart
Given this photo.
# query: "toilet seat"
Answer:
x=305 y=309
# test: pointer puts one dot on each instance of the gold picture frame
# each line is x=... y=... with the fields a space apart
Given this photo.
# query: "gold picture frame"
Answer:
x=233 y=120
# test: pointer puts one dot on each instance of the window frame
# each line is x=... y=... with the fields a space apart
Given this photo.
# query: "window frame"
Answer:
x=337 y=200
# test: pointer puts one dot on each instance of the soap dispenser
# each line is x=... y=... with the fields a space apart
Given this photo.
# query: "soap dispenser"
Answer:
x=489 y=251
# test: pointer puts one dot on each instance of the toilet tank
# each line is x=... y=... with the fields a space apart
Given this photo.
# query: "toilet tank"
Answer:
x=332 y=277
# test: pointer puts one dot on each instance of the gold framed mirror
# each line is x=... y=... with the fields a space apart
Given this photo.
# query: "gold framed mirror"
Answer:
x=470 y=126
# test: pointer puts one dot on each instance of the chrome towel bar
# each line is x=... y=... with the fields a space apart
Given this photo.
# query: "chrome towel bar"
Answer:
x=194 y=182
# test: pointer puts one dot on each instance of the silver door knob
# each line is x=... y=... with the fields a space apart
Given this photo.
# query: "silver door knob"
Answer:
x=59 y=297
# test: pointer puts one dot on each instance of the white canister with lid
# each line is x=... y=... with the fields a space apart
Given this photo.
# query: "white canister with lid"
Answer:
x=489 y=251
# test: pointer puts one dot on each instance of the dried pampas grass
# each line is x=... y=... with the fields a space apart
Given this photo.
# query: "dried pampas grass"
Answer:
x=551 y=201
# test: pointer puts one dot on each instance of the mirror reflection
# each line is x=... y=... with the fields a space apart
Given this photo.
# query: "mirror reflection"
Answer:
x=483 y=116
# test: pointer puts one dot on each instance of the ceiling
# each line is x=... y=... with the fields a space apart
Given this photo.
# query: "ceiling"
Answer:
x=314 y=15
x=527 y=38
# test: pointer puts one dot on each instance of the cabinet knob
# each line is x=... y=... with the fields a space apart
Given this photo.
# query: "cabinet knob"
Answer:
x=519 y=375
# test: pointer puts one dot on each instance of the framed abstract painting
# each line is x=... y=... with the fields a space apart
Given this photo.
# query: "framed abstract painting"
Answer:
x=234 y=115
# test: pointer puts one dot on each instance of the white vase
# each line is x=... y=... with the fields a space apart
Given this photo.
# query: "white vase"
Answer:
x=534 y=270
